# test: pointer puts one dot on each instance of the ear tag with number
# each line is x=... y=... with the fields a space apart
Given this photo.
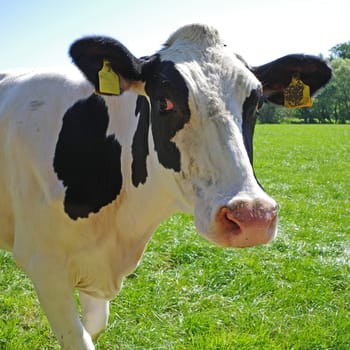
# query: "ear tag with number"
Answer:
x=108 y=80
x=297 y=94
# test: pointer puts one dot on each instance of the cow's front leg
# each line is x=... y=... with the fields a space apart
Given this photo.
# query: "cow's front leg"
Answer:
x=56 y=295
x=94 y=313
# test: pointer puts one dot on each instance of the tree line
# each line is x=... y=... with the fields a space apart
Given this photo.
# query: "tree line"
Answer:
x=331 y=105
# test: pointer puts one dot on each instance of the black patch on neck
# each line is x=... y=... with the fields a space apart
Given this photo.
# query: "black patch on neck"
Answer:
x=167 y=82
x=87 y=161
x=139 y=148
x=249 y=120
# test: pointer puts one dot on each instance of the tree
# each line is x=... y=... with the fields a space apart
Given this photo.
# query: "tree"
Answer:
x=322 y=109
x=340 y=51
x=275 y=114
x=341 y=84
x=333 y=102
x=268 y=114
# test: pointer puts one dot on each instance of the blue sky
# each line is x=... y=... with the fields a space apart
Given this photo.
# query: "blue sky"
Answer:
x=38 y=33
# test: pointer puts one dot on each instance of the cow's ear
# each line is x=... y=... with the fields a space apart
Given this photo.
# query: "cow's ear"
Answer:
x=276 y=76
x=108 y=65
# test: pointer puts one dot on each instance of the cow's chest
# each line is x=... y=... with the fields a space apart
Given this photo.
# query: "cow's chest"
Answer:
x=98 y=270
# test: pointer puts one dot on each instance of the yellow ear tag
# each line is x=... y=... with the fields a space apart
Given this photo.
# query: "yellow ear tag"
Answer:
x=108 y=80
x=297 y=94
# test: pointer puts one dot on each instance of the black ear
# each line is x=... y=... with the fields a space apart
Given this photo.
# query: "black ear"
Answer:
x=276 y=76
x=89 y=54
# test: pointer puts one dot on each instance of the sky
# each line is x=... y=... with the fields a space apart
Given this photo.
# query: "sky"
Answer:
x=38 y=33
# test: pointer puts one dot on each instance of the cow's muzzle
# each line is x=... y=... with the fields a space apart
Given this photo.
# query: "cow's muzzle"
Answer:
x=245 y=223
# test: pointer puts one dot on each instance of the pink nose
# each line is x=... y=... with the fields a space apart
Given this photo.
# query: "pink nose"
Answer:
x=245 y=223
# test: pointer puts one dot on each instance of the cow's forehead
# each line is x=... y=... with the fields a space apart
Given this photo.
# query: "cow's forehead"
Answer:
x=203 y=35
x=210 y=69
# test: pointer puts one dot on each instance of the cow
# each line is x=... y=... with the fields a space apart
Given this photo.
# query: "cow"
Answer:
x=93 y=159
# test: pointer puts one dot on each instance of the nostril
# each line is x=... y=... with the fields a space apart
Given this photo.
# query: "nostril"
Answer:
x=235 y=228
x=229 y=220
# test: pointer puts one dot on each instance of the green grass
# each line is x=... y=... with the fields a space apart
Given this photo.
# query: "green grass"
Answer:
x=187 y=294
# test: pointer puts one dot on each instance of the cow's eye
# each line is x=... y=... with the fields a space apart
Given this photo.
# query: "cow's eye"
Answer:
x=165 y=105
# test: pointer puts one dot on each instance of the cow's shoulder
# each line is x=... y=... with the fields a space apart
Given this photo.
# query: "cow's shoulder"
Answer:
x=34 y=76
x=28 y=92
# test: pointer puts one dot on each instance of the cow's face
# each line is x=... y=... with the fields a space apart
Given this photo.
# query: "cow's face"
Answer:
x=199 y=99
x=202 y=115
x=215 y=144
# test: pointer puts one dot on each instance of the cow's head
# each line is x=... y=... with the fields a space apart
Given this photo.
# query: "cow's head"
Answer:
x=203 y=102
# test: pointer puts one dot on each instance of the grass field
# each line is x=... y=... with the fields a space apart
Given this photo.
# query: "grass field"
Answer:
x=187 y=294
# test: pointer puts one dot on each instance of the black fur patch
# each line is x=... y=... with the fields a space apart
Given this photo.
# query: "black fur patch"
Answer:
x=167 y=82
x=162 y=81
x=140 y=149
x=249 y=120
x=88 y=54
x=86 y=160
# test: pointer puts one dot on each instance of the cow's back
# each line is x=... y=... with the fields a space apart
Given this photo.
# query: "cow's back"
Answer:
x=32 y=105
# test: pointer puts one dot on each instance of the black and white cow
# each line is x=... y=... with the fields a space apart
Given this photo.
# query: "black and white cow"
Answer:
x=86 y=178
